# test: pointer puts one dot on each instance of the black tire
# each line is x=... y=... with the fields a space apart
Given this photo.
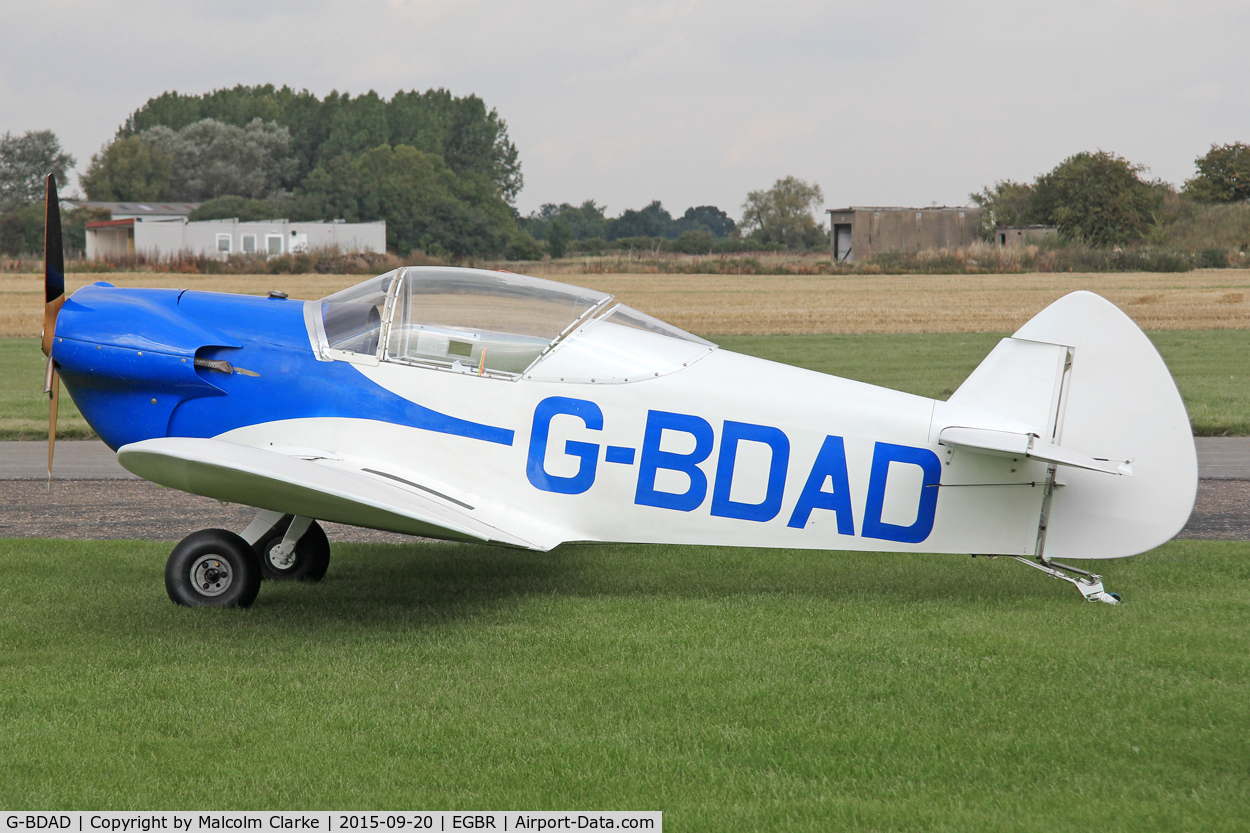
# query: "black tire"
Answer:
x=312 y=554
x=212 y=568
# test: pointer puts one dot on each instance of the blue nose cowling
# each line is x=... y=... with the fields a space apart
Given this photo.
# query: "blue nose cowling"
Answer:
x=127 y=357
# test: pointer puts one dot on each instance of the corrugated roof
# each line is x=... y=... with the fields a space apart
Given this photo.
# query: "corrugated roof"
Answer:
x=140 y=209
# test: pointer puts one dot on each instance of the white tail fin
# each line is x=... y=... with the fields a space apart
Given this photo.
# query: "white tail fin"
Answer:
x=1086 y=388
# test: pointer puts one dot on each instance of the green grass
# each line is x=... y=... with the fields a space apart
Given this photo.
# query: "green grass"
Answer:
x=732 y=689
x=24 y=405
x=1211 y=367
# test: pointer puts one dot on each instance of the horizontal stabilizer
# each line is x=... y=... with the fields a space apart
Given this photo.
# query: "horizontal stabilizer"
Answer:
x=1015 y=444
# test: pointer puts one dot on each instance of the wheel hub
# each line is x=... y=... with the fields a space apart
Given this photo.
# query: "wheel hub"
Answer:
x=211 y=575
x=281 y=557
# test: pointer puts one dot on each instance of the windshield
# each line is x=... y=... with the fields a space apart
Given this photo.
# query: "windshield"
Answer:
x=630 y=317
x=476 y=321
x=353 y=317
x=624 y=345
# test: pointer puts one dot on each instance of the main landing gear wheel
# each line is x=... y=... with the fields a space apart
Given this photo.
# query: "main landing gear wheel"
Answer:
x=309 y=560
x=212 y=568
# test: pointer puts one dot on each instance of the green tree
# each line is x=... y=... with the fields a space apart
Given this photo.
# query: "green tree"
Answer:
x=470 y=137
x=1223 y=175
x=332 y=192
x=524 y=247
x=403 y=186
x=21 y=231
x=696 y=241
x=1008 y=203
x=25 y=162
x=558 y=237
x=782 y=215
x=212 y=159
x=128 y=170
x=425 y=204
x=357 y=125
x=1098 y=198
x=247 y=210
x=652 y=221
x=584 y=221
x=707 y=217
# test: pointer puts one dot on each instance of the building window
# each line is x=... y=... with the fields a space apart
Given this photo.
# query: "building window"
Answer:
x=223 y=243
x=273 y=244
x=249 y=243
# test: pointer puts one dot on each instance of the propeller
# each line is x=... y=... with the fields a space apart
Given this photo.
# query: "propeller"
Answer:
x=54 y=299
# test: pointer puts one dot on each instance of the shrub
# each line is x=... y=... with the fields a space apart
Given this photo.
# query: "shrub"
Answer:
x=1223 y=174
x=1211 y=258
x=558 y=237
x=695 y=242
x=524 y=247
x=592 y=246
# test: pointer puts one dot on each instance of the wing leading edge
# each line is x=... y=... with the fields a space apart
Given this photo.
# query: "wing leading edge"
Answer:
x=331 y=491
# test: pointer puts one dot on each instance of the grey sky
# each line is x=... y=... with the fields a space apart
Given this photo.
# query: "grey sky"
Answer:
x=690 y=102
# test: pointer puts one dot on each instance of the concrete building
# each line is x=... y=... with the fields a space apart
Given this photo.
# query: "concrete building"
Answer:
x=1007 y=236
x=222 y=238
x=859 y=232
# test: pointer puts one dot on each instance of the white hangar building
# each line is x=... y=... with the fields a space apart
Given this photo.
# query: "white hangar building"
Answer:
x=221 y=238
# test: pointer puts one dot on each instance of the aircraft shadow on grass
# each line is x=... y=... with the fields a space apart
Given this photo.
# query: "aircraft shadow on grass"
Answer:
x=433 y=584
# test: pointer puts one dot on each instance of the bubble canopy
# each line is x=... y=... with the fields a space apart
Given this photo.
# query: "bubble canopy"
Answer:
x=467 y=320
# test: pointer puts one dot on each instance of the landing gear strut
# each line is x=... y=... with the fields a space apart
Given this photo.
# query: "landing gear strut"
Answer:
x=1089 y=584
x=290 y=547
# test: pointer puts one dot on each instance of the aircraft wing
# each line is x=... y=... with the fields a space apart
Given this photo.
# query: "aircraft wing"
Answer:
x=324 y=486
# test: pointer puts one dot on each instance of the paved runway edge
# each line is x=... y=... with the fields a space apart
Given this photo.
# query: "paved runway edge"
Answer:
x=92 y=497
x=1219 y=458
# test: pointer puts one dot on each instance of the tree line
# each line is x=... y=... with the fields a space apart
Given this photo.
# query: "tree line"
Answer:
x=439 y=169
x=1102 y=199
x=780 y=217
x=444 y=174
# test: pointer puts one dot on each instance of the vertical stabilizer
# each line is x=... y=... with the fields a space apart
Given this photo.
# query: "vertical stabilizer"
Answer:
x=1082 y=376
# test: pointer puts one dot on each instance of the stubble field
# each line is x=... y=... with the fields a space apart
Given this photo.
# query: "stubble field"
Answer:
x=784 y=304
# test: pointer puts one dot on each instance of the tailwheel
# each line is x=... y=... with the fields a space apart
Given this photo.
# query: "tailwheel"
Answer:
x=1089 y=584
x=212 y=568
x=296 y=549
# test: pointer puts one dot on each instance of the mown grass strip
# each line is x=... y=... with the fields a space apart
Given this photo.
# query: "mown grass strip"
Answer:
x=23 y=404
x=733 y=689
x=1211 y=368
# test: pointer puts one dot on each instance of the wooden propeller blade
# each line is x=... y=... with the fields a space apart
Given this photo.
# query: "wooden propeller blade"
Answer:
x=53 y=266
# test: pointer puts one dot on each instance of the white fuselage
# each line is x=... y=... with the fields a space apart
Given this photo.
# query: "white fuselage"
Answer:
x=729 y=450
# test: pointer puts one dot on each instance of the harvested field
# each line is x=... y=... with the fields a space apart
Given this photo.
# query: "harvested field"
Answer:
x=760 y=305
x=21 y=295
x=765 y=304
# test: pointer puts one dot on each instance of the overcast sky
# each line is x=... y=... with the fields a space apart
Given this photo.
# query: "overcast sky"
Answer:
x=691 y=103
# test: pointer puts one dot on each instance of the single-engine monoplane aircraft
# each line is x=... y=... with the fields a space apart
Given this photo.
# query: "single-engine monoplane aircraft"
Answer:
x=483 y=406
